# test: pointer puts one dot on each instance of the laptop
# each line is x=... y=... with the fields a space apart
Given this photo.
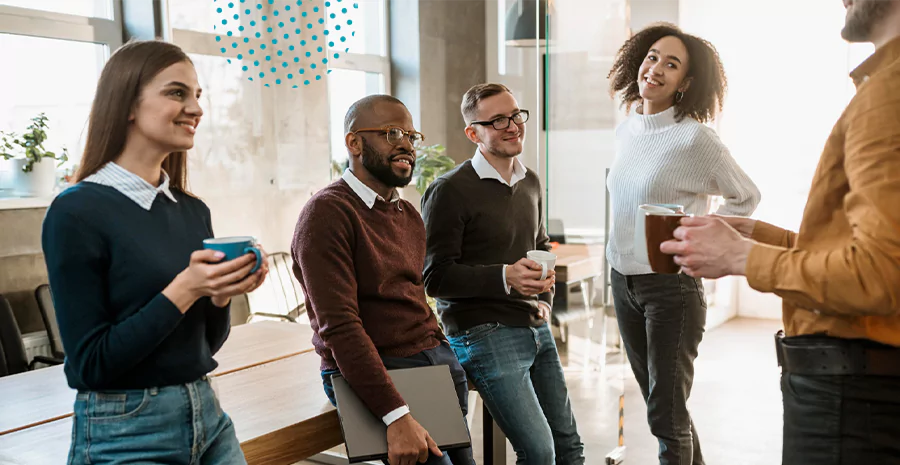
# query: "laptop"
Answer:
x=431 y=396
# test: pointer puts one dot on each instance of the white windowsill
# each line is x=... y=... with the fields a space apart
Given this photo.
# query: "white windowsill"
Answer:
x=21 y=203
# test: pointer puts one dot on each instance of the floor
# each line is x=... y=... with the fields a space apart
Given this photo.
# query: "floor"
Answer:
x=736 y=402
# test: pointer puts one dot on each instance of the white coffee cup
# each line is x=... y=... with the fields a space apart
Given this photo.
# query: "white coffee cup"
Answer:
x=640 y=230
x=546 y=259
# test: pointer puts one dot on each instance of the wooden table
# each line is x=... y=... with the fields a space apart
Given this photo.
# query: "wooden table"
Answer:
x=36 y=397
x=280 y=413
x=579 y=264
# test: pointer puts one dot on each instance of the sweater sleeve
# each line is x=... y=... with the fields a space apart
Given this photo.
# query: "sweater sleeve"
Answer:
x=445 y=223
x=323 y=251
x=731 y=182
x=98 y=348
x=218 y=319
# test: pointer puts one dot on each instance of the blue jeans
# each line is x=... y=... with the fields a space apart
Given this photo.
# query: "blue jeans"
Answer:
x=174 y=425
x=440 y=355
x=662 y=318
x=518 y=374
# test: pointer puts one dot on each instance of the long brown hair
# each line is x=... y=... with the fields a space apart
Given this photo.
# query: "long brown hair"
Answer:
x=128 y=71
x=707 y=91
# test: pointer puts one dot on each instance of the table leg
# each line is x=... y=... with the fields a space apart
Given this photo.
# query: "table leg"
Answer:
x=587 y=294
x=494 y=440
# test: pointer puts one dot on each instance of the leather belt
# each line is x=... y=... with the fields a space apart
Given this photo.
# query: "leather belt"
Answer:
x=825 y=355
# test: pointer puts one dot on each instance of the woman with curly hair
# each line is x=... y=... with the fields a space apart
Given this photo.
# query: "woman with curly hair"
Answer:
x=666 y=155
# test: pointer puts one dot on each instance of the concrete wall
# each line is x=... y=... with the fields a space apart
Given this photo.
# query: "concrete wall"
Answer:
x=22 y=267
x=438 y=53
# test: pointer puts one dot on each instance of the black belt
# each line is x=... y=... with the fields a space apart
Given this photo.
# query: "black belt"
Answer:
x=824 y=355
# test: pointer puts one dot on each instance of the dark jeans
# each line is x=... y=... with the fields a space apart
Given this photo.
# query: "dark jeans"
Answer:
x=841 y=420
x=518 y=374
x=440 y=355
x=661 y=318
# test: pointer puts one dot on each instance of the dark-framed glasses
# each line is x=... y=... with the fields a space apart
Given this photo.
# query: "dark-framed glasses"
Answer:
x=395 y=135
x=503 y=122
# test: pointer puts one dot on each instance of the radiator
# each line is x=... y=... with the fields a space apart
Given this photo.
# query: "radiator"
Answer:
x=36 y=343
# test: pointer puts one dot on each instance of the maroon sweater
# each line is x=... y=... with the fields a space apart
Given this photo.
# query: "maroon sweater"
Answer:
x=361 y=271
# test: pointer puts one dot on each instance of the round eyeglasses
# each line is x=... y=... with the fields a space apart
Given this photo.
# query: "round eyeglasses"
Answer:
x=395 y=136
x=503 y=122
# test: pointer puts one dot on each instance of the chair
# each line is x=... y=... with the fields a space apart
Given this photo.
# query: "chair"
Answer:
x=280 y=297
x=12 y=350
x=48 y=314
x=556 y=231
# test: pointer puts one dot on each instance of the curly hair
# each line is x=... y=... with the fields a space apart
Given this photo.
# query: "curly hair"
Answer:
x=707 y=92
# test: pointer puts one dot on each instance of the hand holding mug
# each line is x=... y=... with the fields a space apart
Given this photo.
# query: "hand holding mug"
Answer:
x=741 y=224
x=525 y=277
x=213 y=273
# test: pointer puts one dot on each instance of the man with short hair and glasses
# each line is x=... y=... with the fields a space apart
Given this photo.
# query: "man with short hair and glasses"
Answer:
x=359 y=252
x=481 y=220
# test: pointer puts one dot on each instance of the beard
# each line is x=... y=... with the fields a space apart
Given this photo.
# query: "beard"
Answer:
x=379 y=166
x=500 y=150
x=862 y=17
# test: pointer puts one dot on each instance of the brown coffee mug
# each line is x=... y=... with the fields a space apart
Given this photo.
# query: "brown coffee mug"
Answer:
x=660 y=228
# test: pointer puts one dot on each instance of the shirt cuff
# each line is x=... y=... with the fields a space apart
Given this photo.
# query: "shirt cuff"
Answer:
x=505 y=284
x=760 y=268
x=395 y=415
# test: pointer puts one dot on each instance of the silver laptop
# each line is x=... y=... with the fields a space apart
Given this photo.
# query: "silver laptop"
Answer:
x=431 y=396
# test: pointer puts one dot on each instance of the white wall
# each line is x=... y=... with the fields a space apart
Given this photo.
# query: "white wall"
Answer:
x=787 y=72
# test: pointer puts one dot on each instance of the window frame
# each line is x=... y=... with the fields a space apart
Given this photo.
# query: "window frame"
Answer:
x=30 y=22
x=62 y=26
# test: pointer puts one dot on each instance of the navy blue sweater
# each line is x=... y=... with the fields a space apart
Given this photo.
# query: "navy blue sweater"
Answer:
x=109 y=260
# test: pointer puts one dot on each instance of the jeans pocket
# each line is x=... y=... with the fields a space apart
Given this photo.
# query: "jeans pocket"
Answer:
x=477 y=333
x=104 y=406
x=817 y=390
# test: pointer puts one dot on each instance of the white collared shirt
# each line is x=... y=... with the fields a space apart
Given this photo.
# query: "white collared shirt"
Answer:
x=365 y=193
x=485 y=171
x=369 y=197
x=131 y=185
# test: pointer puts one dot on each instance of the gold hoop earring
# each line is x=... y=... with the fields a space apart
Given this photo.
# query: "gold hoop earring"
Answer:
x=679 y=96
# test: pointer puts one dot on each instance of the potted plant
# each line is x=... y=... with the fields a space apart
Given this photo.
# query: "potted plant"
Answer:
x=33 y=175
x=430 y=164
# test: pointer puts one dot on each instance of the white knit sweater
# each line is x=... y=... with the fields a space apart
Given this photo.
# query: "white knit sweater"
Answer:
x=659 y=160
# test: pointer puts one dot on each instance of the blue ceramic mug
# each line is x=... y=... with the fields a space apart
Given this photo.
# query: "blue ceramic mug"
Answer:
x=235 y=247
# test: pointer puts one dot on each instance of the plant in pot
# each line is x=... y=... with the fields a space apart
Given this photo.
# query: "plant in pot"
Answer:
x=431 y=163
x=33 y=174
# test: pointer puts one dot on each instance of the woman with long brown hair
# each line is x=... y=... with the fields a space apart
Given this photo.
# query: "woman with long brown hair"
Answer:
x=666 y=155
x=142 y=308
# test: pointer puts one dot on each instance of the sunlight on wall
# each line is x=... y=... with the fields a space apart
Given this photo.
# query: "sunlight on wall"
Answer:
x=787 y=70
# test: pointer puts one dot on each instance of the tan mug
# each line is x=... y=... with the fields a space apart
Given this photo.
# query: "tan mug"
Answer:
x=640 y=222
x=659 y=228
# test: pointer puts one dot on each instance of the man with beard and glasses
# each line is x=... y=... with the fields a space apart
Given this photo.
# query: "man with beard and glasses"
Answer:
x=482 y=218
x=359 y=252
x=839 y=278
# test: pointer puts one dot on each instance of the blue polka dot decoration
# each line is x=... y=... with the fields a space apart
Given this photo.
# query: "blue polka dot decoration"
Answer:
x=249 y=27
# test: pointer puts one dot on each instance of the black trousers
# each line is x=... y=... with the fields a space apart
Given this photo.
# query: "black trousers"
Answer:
x=841 y=420
x=661 y=319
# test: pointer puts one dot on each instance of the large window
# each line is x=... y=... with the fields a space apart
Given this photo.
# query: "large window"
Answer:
x=361 y=37
x=53 y=52
x=346 y=86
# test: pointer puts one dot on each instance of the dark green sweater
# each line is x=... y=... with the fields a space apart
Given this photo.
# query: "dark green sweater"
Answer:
x=473 y=227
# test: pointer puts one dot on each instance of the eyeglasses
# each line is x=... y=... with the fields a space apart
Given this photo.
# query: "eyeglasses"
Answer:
x=395 y=136
x=503 y=122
